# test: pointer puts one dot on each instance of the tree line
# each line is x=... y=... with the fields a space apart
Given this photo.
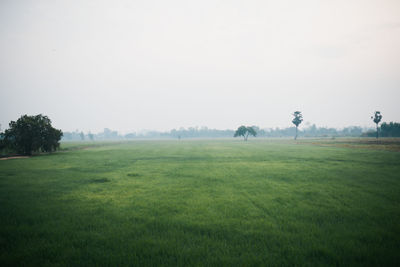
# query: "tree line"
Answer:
x=31 y=134
x=391 y=129
x=385 y=130
x=204 y=132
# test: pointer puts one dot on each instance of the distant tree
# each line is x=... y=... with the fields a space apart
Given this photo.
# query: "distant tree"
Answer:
x=110 y=134
x=130 y=135
x=298 y=118
x=241 y=131
x=31 y=134
x=91 y=136
x=82 y=135
x=2 y=142
x=377 y=119
x=251 y=131
x=245 y=132
x=391 y=129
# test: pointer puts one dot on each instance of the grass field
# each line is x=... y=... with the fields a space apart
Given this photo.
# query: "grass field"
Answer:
x=215 y=202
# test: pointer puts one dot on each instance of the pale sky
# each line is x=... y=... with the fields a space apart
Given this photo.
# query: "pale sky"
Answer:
x=156 y=64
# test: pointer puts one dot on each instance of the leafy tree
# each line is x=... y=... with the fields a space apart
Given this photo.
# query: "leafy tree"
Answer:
x=241 y=131
x=298 y=118
x=245 y=132
x=377 y=119
x=32 y=134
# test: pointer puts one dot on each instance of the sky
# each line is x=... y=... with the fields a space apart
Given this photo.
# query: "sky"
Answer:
x=159 y=65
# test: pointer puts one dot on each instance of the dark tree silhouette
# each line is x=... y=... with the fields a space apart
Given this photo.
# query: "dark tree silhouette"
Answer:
x=391 y=129
x=245 y=132
x=2 y=141
x=298 y=118
x=31 y=134
x=377 y=119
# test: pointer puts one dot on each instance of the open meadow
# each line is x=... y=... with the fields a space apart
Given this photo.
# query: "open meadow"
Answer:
x=203 y=202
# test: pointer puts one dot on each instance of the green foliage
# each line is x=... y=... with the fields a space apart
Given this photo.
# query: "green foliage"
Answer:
x=251 y=131
x=245 y=132
x=2 y=141
x=241 y=131
x=202 y=203
x=391 y=129
x=377 y=119
x=298 y=118
x=31 y=134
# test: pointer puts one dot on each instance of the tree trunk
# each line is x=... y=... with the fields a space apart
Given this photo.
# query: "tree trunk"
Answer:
x=295 y=137
x=377 y=133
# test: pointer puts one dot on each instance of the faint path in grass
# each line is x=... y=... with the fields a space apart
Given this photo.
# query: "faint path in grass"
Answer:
x=71 y=146
x=390 y=144
x=14 y=157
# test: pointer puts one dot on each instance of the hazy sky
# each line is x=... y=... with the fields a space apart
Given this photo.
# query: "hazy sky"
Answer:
x=156 y=64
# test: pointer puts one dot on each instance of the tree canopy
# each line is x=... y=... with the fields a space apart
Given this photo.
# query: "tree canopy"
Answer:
x=391 y=129
x=298 y=118
x=245 y=132
x=32 y=134
x=377 y=119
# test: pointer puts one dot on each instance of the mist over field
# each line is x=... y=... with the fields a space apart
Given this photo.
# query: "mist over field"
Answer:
x=199 y=133
x=162 y=65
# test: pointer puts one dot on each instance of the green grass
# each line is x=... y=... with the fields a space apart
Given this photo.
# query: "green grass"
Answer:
x=188 y=203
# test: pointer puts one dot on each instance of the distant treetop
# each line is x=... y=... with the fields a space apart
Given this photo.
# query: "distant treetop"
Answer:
x=245 y=132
